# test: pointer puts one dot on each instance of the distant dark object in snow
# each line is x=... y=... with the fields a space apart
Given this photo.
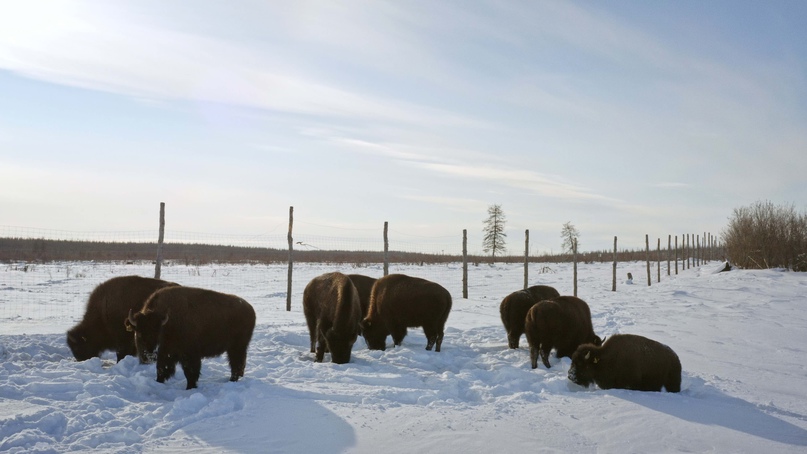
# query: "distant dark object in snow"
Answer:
x=627 y=361
x=724 y=267
x=630 y=279
x=398 y=302
x=562 y=323
x=102 y=327
x=514 y=308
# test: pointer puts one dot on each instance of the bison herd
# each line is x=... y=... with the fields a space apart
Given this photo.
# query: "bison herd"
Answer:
x=159 y=320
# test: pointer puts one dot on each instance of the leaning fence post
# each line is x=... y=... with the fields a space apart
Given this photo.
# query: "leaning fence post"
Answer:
x=291 y=259
x=160 y=238
x=465 y=263
x=386 y=249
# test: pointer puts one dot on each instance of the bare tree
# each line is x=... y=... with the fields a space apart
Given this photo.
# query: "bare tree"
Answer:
x=569 y=234
x=493 y=241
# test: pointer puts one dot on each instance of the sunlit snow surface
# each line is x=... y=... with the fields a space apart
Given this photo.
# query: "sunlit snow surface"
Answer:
x=741 y=337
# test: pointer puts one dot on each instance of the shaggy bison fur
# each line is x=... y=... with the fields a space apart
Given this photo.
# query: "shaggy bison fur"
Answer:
x=333 y=311
x=562 y=323
x=515 y=306
x=364 y=284
x=102 y=326
x=397 y=302
x=186 y=324
x=627 y=361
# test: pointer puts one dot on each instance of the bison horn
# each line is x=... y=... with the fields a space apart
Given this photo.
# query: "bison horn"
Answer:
x=588 y=354
x=165 y=319
x=131 y=319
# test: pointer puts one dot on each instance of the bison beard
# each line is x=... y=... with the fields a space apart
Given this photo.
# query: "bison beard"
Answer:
x=109 y=303
x=627 y=361
x=332 y=311
x=397 y=302
x=562 y=323
x=185 y=324
x=514 y=308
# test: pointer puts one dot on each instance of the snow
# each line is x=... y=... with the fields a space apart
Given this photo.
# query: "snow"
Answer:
x=740 y=336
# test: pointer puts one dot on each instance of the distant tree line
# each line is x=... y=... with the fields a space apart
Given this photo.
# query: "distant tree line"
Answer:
x=45 y=250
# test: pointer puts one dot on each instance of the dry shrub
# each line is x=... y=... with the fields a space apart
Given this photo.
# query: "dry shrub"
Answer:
x=765 y=235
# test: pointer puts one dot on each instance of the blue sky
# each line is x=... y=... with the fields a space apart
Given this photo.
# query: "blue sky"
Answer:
x=623 y=118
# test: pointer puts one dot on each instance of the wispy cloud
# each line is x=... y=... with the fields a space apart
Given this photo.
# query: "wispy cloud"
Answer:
x=89 y=49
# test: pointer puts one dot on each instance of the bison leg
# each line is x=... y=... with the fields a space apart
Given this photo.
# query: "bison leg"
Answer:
x=438 y=342
x=534 y=356
x=398 y=335
x=512 y=339
x=238 y=362
x=192 y=368
x=545 y=350
x=166 y=367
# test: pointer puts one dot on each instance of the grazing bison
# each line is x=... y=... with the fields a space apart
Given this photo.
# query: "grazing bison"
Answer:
x=364 y=284
x=627 y=361
x=109 y=304
x=185 y=324
x=515 y=306
x=562 y=323
x=333 y=312
x=398 y=302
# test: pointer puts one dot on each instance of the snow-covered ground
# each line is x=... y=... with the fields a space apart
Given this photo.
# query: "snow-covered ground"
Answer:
x=741 y=337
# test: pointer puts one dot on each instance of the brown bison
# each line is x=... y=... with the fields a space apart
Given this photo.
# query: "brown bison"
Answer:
x=109 y=304
x=364 y=284
x=333 y=312
x=185 y=324
x=515 y=306
x=398 y=302
x=562 y=323
x=627 y=361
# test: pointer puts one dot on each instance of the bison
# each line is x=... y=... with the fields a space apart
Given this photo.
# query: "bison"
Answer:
x=515 y=306
x=364 y=284
x=398 y=302
x=186 y=324
x=102 y=326
x=562 y=323
x=627 y=361
x=333 y=311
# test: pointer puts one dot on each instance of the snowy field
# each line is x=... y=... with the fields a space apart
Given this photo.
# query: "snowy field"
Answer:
x=741 y=337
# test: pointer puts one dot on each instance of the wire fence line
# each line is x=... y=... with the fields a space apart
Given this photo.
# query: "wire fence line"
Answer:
x=45 y=256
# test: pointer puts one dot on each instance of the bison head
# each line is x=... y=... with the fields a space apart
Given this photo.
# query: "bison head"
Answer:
x=147 y=327
x=340 y=346
x=375 y=334
x=584 y=364
x=81 y=345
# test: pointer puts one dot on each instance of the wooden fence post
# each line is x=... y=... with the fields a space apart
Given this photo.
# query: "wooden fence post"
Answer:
x=613 y=282
x=676 y=255
x=291 y=259
x=386 y=250
x=658 y=260
x=647 y=256
x=574 y=245
x=160 y=238
x=526 y=257
x=465 y=263
x=669 y=246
